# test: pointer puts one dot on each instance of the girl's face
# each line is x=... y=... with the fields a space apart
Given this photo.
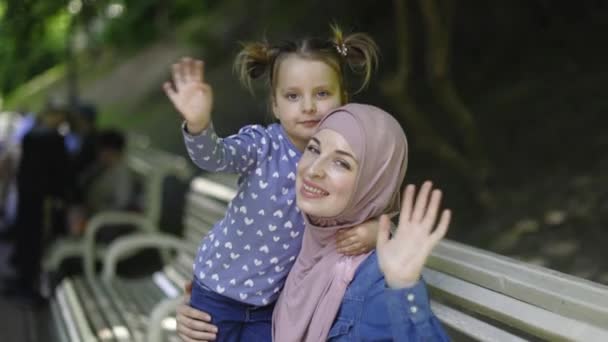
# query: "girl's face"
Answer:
x=305 y=91
x=327 y=173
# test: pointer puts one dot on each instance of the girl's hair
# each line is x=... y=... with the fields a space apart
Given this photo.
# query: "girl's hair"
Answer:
x=356 y=52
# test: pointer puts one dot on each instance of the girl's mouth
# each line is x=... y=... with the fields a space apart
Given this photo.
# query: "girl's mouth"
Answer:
x=310 y=123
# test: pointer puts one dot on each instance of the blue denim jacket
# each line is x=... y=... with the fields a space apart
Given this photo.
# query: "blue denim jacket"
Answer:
x=370 y=311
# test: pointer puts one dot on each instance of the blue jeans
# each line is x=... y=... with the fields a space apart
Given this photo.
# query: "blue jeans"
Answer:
x=235 y=321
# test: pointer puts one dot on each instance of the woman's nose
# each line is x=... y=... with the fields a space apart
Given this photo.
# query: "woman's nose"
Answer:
x=316 y=169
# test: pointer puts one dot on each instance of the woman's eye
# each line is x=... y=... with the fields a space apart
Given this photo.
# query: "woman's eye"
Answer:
x=323 y=93
x=313 y=149
x=343 y=164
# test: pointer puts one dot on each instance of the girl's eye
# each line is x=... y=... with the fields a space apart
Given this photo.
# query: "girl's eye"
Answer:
x=291 y=96
x=323 y=94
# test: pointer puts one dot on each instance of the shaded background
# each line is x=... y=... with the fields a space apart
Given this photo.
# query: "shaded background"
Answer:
x=502 y=101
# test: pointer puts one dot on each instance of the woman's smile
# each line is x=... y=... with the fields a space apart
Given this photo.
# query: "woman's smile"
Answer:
x=312 y=191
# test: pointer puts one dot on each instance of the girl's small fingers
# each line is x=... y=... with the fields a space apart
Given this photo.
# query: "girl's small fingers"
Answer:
x=351 y=248
x=185 y=65
x=345 y=239
x=191 y=70
x=198 y=70
x=168 y=88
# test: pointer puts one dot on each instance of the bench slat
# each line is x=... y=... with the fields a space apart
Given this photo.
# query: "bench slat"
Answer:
x=471 y=326
x=66 y=313
x=520 y=315
x=98 y=322
x=565 y=294
x=77 y=312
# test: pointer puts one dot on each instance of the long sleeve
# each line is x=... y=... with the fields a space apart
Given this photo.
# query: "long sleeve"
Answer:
x=371 y=311
x=238 y=153
x=410 y=315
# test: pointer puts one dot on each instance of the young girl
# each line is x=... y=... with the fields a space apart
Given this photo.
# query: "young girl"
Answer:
x=243 y=262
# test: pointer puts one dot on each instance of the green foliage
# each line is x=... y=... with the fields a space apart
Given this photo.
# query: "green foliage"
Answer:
x=146 y=20
x=31 y=39
x=34 y=34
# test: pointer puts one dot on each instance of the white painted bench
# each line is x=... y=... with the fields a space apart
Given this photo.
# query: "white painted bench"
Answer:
x=122 y=307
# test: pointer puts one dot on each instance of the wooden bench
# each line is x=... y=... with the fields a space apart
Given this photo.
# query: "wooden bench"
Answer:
x=478 y=295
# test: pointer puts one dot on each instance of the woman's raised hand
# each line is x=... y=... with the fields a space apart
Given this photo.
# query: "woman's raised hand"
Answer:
x=401 y=258
x=191 y=96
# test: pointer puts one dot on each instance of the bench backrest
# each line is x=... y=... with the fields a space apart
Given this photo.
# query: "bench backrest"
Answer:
x=206 y=203
x=482 y=294
x=151 y=167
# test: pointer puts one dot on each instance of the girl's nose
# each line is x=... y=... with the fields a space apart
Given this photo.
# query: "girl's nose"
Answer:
x=309 y=107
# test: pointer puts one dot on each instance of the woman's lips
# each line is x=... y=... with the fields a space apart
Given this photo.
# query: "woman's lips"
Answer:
x=311 y=190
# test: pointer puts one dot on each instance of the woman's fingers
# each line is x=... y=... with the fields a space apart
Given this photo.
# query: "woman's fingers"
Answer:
x=189 y=312
x=442 y=227
x=430 y=217
x=421 y=201
x=408 y=202
x=384 y=232
x=188 y=334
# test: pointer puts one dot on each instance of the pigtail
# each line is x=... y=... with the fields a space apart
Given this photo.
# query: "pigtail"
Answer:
x=357 y=50
x=252 y=62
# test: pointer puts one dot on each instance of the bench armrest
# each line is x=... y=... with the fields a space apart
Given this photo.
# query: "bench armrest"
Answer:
x=162 y=311
x=126 y=245
x=104 y=219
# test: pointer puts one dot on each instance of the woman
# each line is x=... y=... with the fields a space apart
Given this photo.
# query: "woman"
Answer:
x=350 y=172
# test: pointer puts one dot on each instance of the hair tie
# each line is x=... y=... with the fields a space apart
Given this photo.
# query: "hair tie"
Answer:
x=342 y=49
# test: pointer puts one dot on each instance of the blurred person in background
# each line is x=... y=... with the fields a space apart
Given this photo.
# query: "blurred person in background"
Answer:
x=43 y=179
x=107 y=184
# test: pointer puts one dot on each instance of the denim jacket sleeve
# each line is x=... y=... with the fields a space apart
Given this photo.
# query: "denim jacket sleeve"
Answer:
x=411 y=318
x=370 y=311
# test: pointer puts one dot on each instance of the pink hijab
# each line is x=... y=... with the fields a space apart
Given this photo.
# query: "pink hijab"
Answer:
x=318 y=280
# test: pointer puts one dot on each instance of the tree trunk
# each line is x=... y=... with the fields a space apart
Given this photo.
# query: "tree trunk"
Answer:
x=397 y=90
x=438 y=60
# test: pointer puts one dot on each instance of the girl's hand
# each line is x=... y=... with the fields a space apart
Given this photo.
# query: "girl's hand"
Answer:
x=191 y=96
x=401 y=258
x=192 y=324
x=357 y=240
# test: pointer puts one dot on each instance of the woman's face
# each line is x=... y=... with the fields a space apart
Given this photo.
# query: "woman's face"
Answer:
x=327 y=173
